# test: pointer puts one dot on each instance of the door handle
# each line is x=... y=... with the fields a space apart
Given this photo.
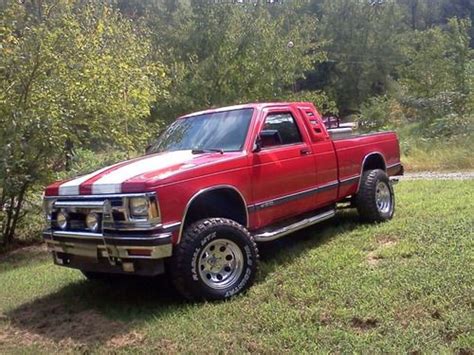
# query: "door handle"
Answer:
x=304 y=151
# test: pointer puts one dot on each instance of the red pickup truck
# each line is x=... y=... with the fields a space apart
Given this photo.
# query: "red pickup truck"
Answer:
x=211 y=187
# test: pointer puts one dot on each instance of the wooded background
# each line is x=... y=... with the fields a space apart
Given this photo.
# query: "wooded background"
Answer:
x=86 y=83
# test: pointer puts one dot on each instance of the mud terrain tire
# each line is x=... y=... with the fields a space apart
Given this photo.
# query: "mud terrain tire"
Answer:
x=375 y=200
x=215 y=260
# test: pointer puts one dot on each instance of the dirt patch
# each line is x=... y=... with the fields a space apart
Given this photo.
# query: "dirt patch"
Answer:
x=410 y=314
x=436 y=314
x=23 y=255
x=386 y=241
x=45 y=322
x=34 y=249
x=120 y=341
x=374 y=257
x=325 y=318
x=21 y=249
x=364 y=324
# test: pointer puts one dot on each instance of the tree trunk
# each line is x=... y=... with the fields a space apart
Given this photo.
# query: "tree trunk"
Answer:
x=13 y=216
x=414 y=7
x=16 y=215
x=68 y=147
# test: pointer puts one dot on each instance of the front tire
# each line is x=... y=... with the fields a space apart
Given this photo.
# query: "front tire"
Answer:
x=216 y=259
x=375 y=200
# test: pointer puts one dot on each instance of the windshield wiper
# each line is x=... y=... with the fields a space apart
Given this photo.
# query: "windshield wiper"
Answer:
x=206 y=150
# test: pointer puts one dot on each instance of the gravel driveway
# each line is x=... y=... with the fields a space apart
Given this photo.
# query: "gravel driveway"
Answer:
x=430 y=175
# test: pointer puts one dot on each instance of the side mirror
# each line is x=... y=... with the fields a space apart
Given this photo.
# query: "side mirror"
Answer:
x=267 y=138
x=257 y=145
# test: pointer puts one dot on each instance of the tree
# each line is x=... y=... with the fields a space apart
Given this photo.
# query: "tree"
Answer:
x=232 y=53
x=435 y=80
x=361 y=42
x=71 y=73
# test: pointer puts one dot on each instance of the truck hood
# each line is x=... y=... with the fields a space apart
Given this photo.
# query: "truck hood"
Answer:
x=125 y=176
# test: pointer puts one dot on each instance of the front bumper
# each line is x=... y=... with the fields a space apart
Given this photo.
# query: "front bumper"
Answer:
x=119 y=253
x=122 y=242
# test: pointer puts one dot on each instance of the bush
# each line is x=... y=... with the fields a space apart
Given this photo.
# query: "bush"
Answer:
x=85 y=161
x=380 y=113
x=320 y=99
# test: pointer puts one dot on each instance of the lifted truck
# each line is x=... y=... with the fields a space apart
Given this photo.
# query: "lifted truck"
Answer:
x=214 y=184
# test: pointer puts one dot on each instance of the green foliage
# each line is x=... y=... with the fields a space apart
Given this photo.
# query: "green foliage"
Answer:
x=231 y=54
x=436 y=84
x=319 y=98
x=85 y=161
x=379 y=113
x=71 y=73
x=362 y=48
x=436 y=154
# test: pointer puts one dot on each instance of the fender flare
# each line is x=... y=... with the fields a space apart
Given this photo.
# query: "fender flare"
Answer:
x=208 y=189
x=367 y=156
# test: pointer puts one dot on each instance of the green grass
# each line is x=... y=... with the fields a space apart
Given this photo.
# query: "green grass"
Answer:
x=341 y=286
x=435 y=154
x=439 y=156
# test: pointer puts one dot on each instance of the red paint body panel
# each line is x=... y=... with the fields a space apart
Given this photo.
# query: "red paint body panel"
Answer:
x=276 y=183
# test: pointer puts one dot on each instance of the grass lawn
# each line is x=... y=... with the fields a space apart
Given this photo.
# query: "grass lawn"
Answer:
x=406 y=285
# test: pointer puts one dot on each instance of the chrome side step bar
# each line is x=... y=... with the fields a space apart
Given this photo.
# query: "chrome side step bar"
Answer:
x=306 y=222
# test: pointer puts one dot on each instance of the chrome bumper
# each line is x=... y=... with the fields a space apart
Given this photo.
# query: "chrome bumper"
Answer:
x=156 y=246
x=124 y=255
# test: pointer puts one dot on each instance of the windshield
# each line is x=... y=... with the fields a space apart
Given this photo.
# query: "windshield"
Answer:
x=224 y=131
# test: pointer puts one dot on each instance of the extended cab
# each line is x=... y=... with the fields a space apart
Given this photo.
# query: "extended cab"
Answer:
x=211 y=186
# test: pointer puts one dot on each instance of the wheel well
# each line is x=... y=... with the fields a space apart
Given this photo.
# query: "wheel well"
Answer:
x=221 y=202
x=374 y=161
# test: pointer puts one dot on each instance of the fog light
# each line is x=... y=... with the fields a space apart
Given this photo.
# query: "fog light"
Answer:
x=62 y=220
x=93 y=221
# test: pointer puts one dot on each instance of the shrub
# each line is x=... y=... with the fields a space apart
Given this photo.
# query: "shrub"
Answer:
x=379 y=113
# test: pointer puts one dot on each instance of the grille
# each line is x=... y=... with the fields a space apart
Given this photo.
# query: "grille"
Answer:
x=77 y=213
x=112 y=210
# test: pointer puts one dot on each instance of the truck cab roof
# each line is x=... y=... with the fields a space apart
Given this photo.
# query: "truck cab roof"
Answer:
x=254 y=105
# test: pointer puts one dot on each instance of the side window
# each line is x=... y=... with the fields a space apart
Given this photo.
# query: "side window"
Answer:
x=280 y=129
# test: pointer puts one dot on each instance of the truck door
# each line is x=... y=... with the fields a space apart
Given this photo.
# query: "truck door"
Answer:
x=283 y=169
x=324 y=155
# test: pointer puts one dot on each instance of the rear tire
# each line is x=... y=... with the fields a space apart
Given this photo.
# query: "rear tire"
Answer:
x=375 y=200
x=215 y=260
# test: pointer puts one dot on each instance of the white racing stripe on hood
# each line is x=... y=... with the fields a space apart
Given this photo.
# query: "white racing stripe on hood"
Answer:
x=72 y=187
x=112 y=183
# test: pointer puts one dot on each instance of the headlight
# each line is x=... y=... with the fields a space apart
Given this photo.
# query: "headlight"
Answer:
x=138 y=207
x=62 y=220
x=93 y=222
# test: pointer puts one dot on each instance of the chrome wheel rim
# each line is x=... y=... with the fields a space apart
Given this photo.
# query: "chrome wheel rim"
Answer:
x=383 y=197
x=220 y=263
